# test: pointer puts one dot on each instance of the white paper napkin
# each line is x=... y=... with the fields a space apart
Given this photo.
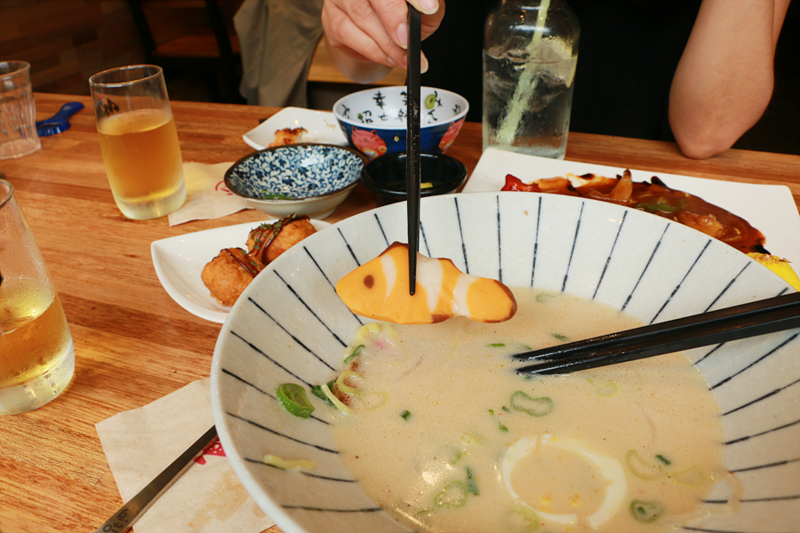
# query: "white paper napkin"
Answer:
x=206 y=195
x=208 y=498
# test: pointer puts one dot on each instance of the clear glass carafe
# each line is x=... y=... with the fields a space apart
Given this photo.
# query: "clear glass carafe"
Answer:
x=529 y=59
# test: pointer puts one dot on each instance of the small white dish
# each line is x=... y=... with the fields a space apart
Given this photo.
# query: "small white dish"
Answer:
x=769 y=208
x=321 y=127
x=179 y=261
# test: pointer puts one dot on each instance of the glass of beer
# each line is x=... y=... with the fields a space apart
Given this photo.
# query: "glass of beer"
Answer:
x=37 y=357
x=139 y=140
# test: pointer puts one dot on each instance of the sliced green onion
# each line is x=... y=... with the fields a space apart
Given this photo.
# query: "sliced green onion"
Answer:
x=642 y=468
x=497 y=345
x=523 y=519
x=694 y=476
x=405 y=415
x=559 y=336
x=453 y=496
x=646 y=512
x=608 y=390
x=472 y=485
x=502 y=428
x=540 y=406
x=543 y=297
x=347 y=389
x=664 y=460
x=357 y=351
x=491 y=412
x=470 y=438
x=317 y=391
x=457 y=454
x=372 y=400
x=335 y=401
x=293 y=398
x=276 y=196
x=292 y=466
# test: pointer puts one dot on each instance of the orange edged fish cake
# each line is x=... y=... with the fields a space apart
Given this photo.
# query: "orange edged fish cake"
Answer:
x=379 y=289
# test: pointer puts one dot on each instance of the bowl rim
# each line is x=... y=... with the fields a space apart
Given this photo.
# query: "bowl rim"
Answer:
x=350 y=122
x=255 y=153
x=442 y=188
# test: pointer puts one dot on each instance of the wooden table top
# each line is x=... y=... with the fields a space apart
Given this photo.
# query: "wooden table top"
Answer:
x=133 y=343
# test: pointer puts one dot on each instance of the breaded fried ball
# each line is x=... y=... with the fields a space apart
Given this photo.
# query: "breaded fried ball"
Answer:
x=228 y=274
x=291 y=230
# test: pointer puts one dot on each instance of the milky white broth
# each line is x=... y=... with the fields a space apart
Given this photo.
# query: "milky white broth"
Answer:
x=575 y=468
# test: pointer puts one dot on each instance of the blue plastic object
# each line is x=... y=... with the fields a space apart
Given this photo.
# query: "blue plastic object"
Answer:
x=58 y=122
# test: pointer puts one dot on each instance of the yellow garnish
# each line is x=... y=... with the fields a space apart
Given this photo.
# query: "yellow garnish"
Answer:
x=779 y=266
x=334 y=400
x=364 y=331
x=292 y=466
x=694 y=476
x=608 y=390
x=374 y=399
x=344 y=387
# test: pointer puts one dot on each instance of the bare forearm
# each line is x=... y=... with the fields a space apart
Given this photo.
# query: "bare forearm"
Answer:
x=724 y=80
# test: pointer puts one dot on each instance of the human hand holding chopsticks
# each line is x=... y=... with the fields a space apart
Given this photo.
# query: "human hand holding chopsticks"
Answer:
x=366 y=38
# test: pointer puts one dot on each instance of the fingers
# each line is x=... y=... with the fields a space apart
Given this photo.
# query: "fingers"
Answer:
x=376 y=30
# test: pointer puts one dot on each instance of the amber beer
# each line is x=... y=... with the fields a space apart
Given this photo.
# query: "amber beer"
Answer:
x=34 y=336
x=139 y=141
x=37 y=357
x=143 y=162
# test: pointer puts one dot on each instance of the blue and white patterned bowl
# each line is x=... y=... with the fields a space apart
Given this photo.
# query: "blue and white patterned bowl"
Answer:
x=374 y=120
x=306 y=179
x=289 y=325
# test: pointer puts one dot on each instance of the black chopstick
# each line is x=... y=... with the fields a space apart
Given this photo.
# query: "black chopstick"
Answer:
x=413 y=142
x=729 y=324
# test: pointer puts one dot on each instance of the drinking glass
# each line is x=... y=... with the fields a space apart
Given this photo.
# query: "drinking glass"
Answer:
x=139 y=140
x=17 y=111
x=37 y=356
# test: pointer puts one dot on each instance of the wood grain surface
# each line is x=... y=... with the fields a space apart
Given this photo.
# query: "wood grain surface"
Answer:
x=133 y=343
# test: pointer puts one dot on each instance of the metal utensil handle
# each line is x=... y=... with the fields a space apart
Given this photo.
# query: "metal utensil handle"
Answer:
x=413 y=142
x=129 y=513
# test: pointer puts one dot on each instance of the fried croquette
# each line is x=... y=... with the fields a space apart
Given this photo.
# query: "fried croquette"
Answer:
x=287 y=136
x=268 y=241
x=228 y=274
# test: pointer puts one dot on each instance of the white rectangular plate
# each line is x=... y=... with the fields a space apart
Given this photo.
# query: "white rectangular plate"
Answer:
x=769 y=208
x=321 y=127
x=179 y=261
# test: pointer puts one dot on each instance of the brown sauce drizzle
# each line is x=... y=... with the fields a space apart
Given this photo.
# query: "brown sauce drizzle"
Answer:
x=657 y=198
x=244 y=260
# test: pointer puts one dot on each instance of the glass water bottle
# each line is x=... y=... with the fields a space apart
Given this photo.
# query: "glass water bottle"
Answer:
x=529 y=58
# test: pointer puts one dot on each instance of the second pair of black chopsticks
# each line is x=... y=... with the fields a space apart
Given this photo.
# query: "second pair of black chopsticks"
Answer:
x=729 y=324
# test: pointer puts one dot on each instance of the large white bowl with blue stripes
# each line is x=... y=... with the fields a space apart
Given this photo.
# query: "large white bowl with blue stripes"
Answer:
x=289 y=326
x=303 y=179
